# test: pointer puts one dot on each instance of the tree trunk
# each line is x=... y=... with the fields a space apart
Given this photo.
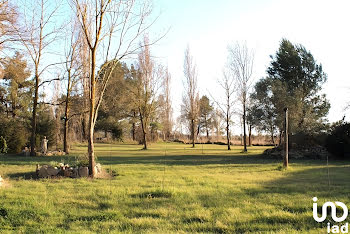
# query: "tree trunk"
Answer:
x=65 y=136
x=66 y=114
x=250 y=135
x=273 y=138
x=83 y=128
x=133 y=126
x=228 y=132
x=244 y=130
x=285 y=161
x=34 y=119
x=280 y=140
x=14 y=109
x=192 y=132
x=143 y=132
x=91 y=152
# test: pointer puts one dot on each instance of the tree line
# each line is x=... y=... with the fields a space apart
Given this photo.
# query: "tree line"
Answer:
x=96 y=90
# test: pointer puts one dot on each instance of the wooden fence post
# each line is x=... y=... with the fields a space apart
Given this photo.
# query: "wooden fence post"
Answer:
x=285 y=161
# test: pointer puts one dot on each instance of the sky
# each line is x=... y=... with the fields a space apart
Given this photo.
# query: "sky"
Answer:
x=208 y=27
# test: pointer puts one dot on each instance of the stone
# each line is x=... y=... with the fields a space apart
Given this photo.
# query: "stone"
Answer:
x=83 y=171
x=42 y=173
x=52 y=171
x=75 y=173
x=68 y=173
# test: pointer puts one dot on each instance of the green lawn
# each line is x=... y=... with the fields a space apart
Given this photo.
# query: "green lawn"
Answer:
x=171 y=188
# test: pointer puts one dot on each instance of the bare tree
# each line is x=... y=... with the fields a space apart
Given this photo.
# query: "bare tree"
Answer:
x=217 y=123
x=240 y=62
x=37 y=33
x=148 y=83
x=8 y=21
x=104 y=21
x=190 y=97
x=166 y=107
x=228 y=85
x=73 y=68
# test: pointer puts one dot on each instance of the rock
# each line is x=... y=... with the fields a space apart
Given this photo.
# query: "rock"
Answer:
x=68 y=173
x=52 y=171
x=42 y=173
x=75 y=173
x=83 y=171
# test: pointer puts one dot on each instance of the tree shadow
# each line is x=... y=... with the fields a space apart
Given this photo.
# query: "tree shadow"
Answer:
x=292 y=195
x=32 y=160
x=187 y=159
x=23 y=176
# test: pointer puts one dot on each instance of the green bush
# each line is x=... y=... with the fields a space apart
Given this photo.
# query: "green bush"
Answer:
x=110 y=125
x=338 y=141
x=15 y=134
x=45 y=127
x=3 y=145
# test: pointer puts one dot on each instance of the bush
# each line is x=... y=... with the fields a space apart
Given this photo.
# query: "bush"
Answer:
x=3 y=145
x=338 y=141
x=15 y=134
x=45 y=127
x=110 y=125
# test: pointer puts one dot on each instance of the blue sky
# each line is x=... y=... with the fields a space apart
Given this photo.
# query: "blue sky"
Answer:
x=209 y=26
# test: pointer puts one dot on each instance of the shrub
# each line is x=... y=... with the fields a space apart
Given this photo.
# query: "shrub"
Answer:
x=338 y=141
x=15 y=134
x=45 y=127
x=3 y=145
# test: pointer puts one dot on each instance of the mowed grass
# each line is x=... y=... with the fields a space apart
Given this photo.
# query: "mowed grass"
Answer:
x=171 y=188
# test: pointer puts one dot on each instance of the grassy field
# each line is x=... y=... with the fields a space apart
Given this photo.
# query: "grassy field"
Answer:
x=171 y=188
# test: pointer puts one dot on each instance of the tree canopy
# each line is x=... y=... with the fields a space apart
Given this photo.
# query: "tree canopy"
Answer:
x=294 y=80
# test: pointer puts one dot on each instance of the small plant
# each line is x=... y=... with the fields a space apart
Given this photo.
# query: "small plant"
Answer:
x=82 y=160
x=3 y=145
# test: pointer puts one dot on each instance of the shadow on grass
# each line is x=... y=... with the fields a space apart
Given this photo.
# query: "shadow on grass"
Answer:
x=292 y=194
x=144 y=159
x=23 y=175
x=187 y=160
x=32 y=160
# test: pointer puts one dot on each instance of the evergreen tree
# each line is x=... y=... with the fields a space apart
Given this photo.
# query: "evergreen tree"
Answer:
x=205 y=115
x=294 y=80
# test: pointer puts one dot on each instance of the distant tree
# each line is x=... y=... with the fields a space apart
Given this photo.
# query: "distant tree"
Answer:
x=73 y=71
x=205 y=115
x=8 y=24
x=295 y=81
x=190 y=100
x=18 y=86
x=241 y=62
x=146 y=88
x=226 y=107
x=165 y=107
x=262 y=112
x=217 y=117
x=117 y=100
